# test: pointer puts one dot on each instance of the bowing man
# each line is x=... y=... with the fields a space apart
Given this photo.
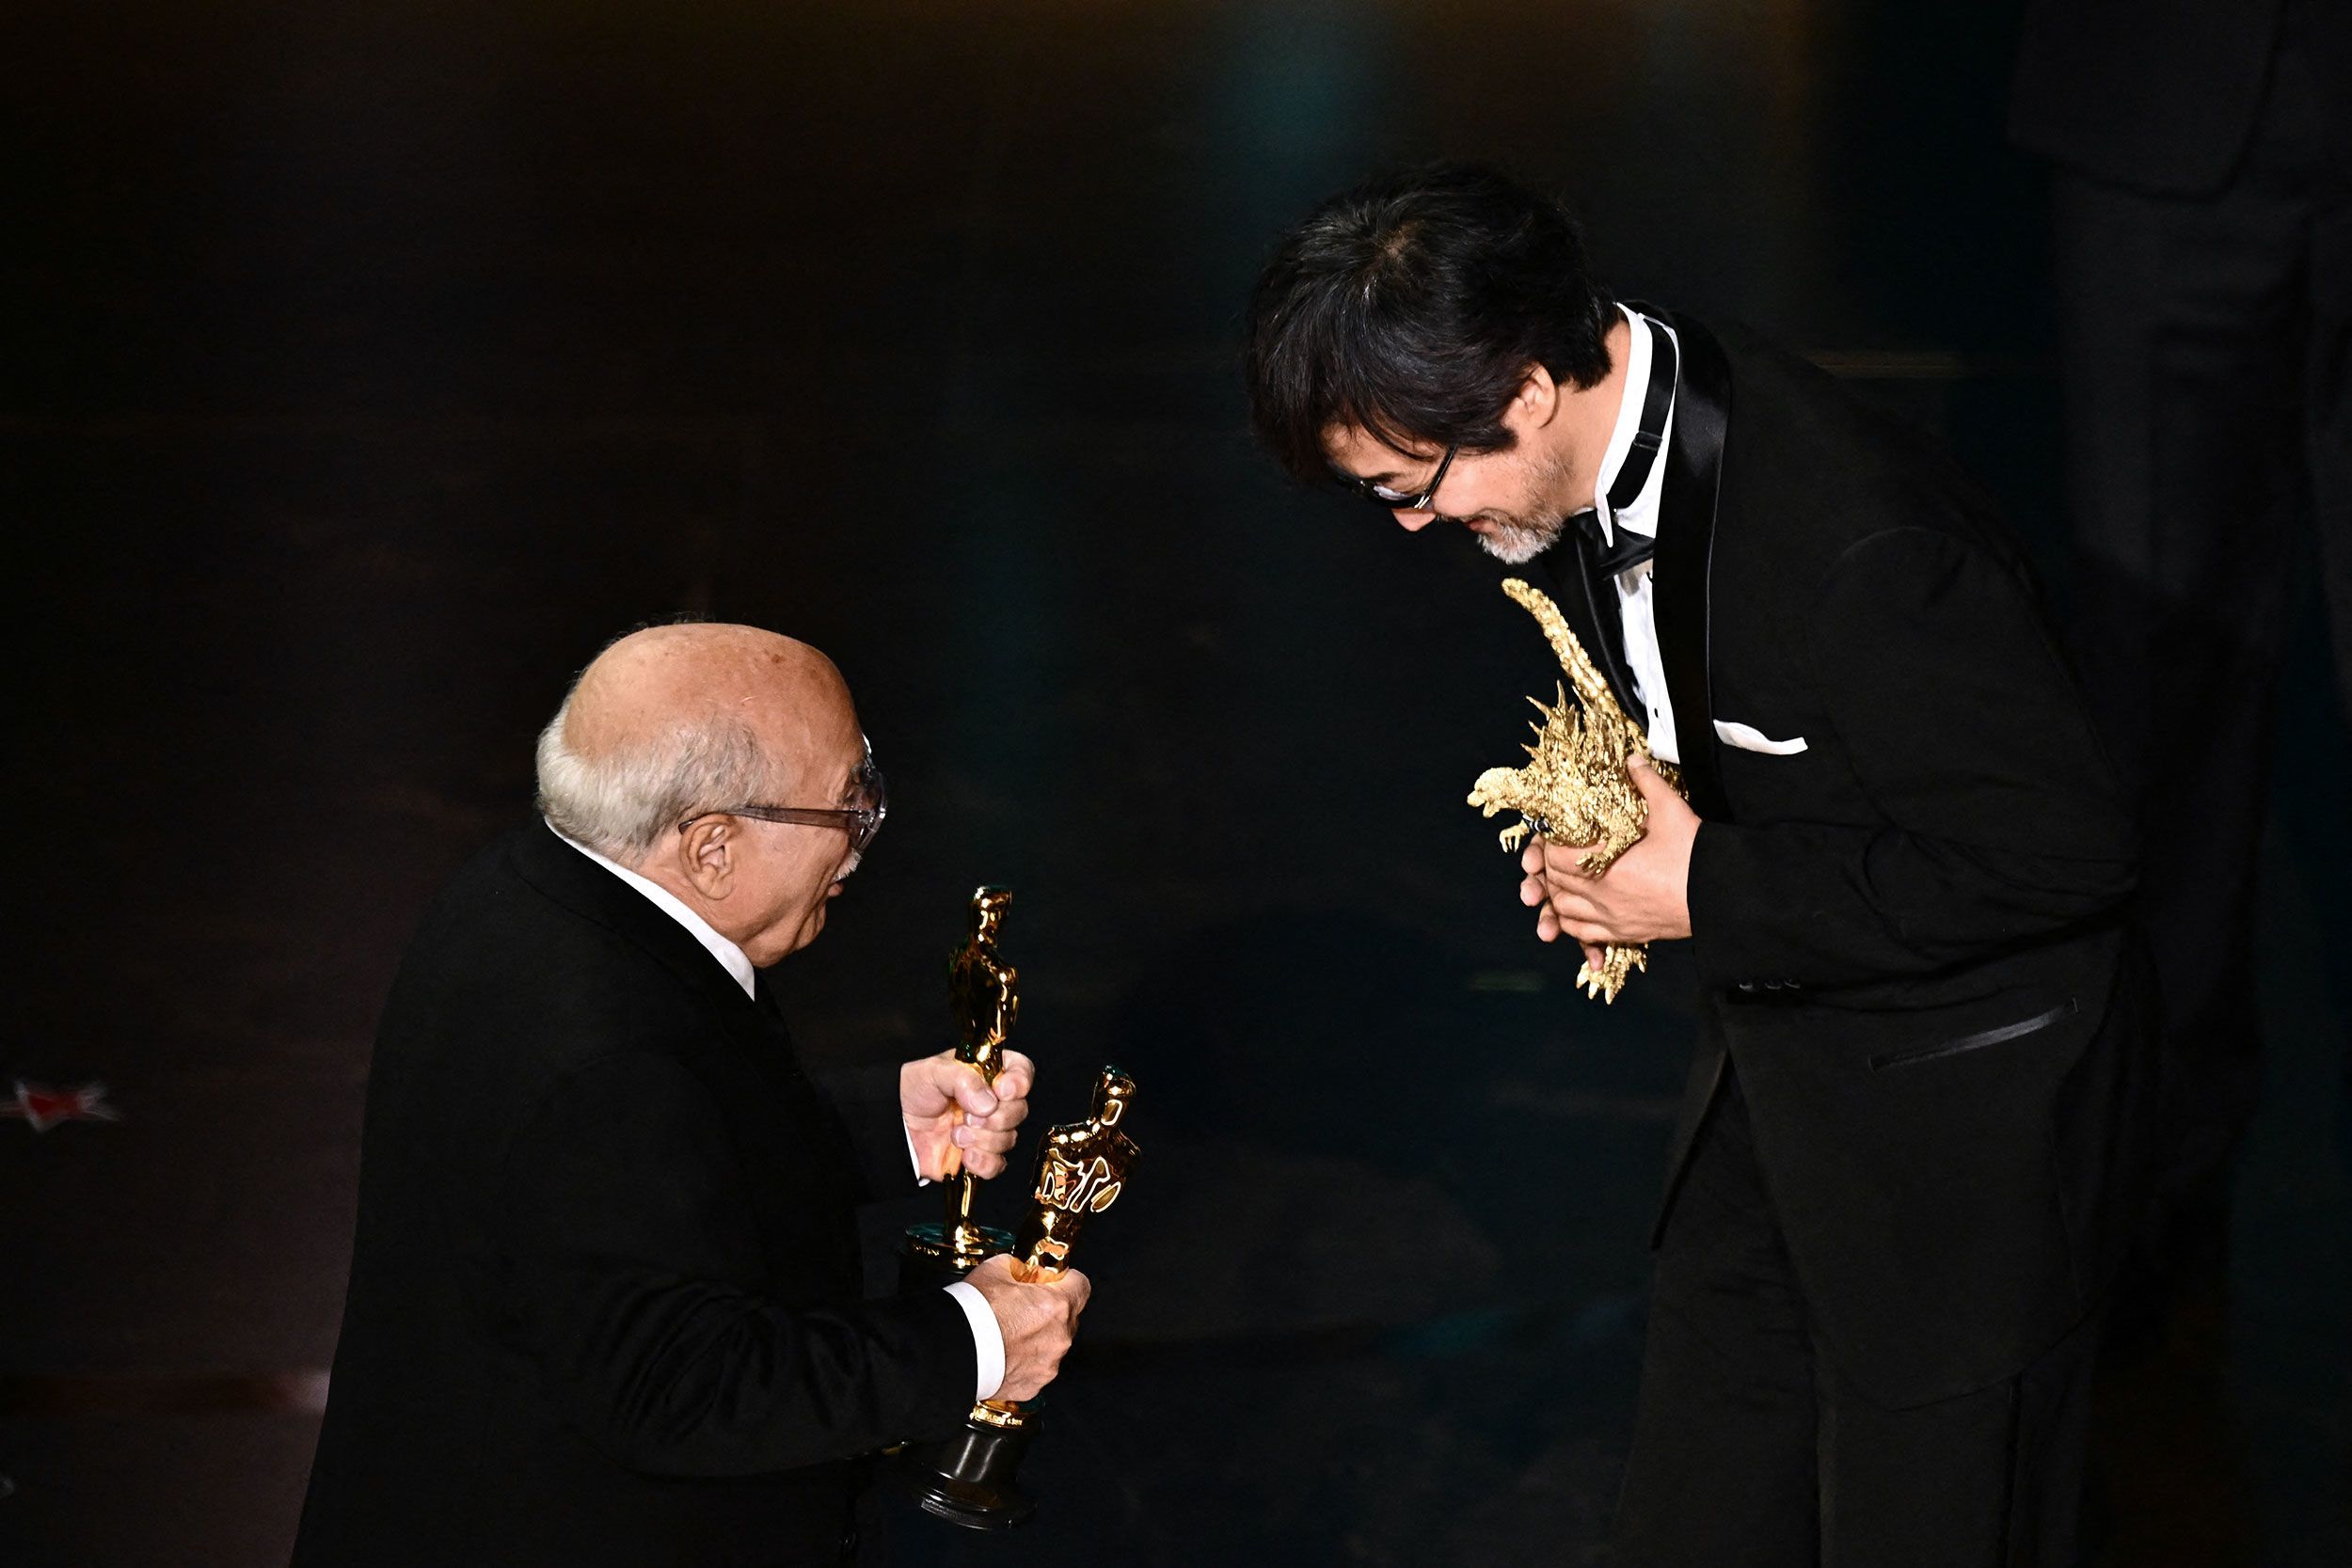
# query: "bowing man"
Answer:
x=1911 y=1141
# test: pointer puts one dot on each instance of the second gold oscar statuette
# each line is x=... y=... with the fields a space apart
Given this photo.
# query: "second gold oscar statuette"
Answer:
x=972 y=1476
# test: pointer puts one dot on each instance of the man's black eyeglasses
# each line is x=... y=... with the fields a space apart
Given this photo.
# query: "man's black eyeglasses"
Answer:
x=862 y=820
x=1397 y=501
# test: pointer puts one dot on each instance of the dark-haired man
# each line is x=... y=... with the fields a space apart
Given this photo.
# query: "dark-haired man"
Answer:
x=1913 y=1123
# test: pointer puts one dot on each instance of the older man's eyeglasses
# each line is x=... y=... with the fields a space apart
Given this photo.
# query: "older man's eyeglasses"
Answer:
x=861 y=818
x=1398 y=500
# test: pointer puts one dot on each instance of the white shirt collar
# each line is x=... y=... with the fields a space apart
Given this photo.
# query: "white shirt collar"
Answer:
x=730 y=956
x=1641 y=516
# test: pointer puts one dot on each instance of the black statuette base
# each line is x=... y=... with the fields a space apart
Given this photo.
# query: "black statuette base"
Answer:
x=968 y=1478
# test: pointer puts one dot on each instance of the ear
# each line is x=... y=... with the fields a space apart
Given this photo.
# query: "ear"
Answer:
x=706 y=854
x=1536 y=401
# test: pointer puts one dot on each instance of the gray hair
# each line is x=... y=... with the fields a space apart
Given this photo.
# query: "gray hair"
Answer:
x=620 y=805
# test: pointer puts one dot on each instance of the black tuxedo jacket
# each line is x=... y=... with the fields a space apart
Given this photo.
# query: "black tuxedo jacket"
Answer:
x=2161 y=95
x=1910 y=933
x=604 y=1303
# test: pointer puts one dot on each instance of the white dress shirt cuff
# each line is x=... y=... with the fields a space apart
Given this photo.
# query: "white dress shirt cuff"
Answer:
x=914 y=1159
x=988 y=1341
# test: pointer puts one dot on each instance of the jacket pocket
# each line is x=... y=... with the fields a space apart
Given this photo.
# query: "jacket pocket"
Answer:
x=1749 y=738
x=1978 y=1042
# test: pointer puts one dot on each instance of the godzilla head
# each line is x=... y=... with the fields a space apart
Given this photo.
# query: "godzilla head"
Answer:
x=1506 y=789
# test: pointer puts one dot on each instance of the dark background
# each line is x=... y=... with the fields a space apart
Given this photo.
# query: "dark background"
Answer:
x=363 y=368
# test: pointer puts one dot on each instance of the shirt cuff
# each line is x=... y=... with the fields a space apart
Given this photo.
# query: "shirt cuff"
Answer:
x=912 y=1159
x=988 y=1341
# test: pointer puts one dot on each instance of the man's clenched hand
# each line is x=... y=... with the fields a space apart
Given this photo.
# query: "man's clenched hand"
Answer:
x=1642 y=897
x=1038 y=1321
x=954 y=1118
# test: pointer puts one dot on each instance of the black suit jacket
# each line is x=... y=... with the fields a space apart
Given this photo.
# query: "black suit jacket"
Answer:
x=1910 y=933
x=604 y=1303
x=2162 y=95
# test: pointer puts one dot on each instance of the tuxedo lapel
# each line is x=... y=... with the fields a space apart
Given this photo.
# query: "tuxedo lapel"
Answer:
x=1577 y=589
x=588 y=889
x=1682 y=568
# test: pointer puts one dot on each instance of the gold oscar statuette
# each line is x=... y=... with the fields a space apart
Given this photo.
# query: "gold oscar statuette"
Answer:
x=985 y=992
x=1575 y=788
x=969 y=1479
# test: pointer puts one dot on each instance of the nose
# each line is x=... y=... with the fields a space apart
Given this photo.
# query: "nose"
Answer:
x=1413 y=522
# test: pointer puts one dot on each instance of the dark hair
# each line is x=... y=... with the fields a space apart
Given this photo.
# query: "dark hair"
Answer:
x=1412 y=308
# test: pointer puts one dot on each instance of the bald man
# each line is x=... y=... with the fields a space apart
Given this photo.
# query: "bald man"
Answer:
x=604 y=1295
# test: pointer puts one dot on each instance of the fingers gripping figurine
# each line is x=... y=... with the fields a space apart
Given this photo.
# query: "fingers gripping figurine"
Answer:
x=984 y=993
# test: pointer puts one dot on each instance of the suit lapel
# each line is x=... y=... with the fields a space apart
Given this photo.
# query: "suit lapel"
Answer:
x=1577 y=589
x=1681 y=571
x=588 y=889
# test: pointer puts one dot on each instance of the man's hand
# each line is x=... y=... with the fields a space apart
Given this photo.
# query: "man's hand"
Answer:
x=1642 y=897
x=954 y=1118
x=1038 y=1321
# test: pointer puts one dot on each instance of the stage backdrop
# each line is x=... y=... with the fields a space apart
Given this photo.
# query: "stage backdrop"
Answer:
x=363 y=369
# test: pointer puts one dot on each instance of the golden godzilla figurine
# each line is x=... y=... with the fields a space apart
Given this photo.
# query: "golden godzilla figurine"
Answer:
x=1575 y=788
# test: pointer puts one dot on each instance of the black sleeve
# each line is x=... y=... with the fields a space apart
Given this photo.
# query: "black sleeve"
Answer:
x=867 y=1101
x=1963 y=728
x=633 y=1277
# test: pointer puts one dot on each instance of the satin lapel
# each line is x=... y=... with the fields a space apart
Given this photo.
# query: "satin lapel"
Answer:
x=1683 y=566
x=1576 y=588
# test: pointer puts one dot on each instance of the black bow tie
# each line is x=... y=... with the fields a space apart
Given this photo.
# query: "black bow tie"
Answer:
x=1629 y=551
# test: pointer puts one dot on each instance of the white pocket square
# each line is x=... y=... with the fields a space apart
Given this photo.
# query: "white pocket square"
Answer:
x=1749 y=738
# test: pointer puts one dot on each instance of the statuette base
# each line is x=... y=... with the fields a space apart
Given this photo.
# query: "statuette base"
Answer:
x=967 y=1479
x=938 y=1253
